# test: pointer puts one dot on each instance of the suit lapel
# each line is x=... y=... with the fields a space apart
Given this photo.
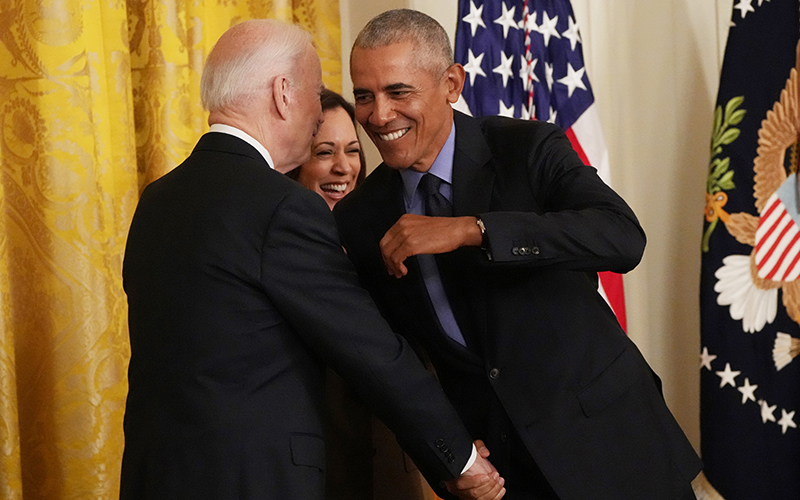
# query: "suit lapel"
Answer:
x=472 y=172
x=473 y=177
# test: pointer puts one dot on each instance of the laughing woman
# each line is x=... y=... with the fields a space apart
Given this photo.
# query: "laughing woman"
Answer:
x=337 y=163
x=364 y=461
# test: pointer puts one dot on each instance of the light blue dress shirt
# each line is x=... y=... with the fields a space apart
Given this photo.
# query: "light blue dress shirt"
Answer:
x=442 y=168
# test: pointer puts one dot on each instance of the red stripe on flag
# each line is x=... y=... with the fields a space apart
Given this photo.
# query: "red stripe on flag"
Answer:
x=612 y=285
x=790 y=269
x=770 y=208
x=783 y=256
x=763 y=220
x=777 y=241
x=577 y=146
x=761 y=242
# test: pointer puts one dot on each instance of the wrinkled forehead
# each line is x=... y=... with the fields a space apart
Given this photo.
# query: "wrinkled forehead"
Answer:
x=395 y=61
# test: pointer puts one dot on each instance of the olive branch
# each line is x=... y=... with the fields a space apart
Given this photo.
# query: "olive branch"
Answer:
x=720 y=177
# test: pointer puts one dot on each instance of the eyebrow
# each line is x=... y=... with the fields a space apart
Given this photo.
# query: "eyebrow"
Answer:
x=389 y=88
x=331 y=143
x=398 y=86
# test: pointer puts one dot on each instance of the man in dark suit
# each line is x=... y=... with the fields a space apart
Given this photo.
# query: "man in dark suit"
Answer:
x=492 y=232
x=239 y=290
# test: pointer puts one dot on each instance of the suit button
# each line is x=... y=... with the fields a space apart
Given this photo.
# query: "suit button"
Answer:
x=494 y=373
x=504 y=437
x=524 y=251
x=439 y=443
x=515 y=251
x=535 y=250
x=450 y=460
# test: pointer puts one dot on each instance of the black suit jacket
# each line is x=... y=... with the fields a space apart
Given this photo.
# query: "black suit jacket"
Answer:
x=542 y=341
x=238 y=291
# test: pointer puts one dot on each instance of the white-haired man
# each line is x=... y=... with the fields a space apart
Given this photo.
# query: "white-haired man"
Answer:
x=238 y=291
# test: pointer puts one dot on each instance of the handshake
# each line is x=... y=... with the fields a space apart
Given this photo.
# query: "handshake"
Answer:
x=481 y=481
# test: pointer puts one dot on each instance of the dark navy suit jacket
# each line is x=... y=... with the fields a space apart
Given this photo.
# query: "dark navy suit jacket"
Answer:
x=547 y=354
x=238 y=293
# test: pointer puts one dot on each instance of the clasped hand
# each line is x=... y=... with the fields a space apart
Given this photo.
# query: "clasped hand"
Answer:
x=479 y=482
x=418 y=234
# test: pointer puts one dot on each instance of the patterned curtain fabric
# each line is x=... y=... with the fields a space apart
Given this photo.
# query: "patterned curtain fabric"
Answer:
x=97 y=99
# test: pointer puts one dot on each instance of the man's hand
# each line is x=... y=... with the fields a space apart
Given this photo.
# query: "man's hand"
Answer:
x=479 y=482
x=418 y=234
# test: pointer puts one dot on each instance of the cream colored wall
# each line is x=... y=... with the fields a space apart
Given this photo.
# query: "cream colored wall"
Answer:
x=654 y=69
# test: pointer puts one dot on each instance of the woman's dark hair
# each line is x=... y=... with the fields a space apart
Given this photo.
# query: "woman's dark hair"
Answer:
x=332 y=100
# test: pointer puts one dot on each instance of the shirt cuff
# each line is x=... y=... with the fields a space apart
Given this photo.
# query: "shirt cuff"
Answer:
x=472 y=458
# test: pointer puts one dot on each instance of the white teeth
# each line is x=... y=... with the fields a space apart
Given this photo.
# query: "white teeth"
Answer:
x=333 y=187
x=393 y=135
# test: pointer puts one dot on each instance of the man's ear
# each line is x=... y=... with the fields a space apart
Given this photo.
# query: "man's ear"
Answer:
x=454 y=79
x=281 y=95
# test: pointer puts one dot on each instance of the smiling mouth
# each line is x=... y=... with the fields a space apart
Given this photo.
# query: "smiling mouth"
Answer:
x=394 y=135
x=334 y=187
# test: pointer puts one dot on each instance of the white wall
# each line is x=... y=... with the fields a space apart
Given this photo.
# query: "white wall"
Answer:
x=654 y=67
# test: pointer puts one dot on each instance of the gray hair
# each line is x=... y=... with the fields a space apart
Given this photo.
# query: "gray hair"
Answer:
x=247 y=58
x=430 y=40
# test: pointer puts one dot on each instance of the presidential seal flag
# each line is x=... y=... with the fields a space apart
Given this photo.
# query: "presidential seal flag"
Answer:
x=524 y=59
x=750 y=292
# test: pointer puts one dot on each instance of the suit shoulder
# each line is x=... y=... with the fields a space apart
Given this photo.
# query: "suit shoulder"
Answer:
x=498 y=127
x=512 y=140
x=371 y=192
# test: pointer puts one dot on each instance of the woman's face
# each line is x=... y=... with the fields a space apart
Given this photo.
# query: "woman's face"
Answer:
x=334 y=164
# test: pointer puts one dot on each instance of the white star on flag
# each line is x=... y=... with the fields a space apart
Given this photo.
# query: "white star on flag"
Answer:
x=706 y=358
x=506 y=20
x=572 y=34
x=747 y=391
x=787 y=420
x=526 y=70
x=473 y=67
x=548 y=73
x=573 y=80
x=526 y=113
x=533 y=27
x=504 y=111
x=474 y=18
x=744 y=7
x=548 y=29
x=505 y=68
x=553 y=113
x=728 y=376
x=767 y=412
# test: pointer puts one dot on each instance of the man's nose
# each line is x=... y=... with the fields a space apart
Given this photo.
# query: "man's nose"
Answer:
x=382 y=112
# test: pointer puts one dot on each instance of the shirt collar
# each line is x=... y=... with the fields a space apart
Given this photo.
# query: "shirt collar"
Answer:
x=249 y=139
x=442 y=168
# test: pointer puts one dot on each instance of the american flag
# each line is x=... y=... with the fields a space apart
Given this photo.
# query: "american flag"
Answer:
x=523 y=59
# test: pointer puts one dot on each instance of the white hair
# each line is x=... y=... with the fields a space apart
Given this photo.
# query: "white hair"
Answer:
x=247 y=58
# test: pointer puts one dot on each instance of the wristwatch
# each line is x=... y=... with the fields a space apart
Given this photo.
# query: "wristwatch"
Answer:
x=484 y=238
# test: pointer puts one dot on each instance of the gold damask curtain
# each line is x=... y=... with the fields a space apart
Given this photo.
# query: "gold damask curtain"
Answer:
x=97 y=98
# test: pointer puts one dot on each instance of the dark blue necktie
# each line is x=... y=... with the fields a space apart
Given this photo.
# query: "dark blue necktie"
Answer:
x=436 y=205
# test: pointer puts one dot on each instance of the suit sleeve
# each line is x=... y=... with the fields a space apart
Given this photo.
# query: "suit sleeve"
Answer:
x=576 y=221
x=310 y=279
